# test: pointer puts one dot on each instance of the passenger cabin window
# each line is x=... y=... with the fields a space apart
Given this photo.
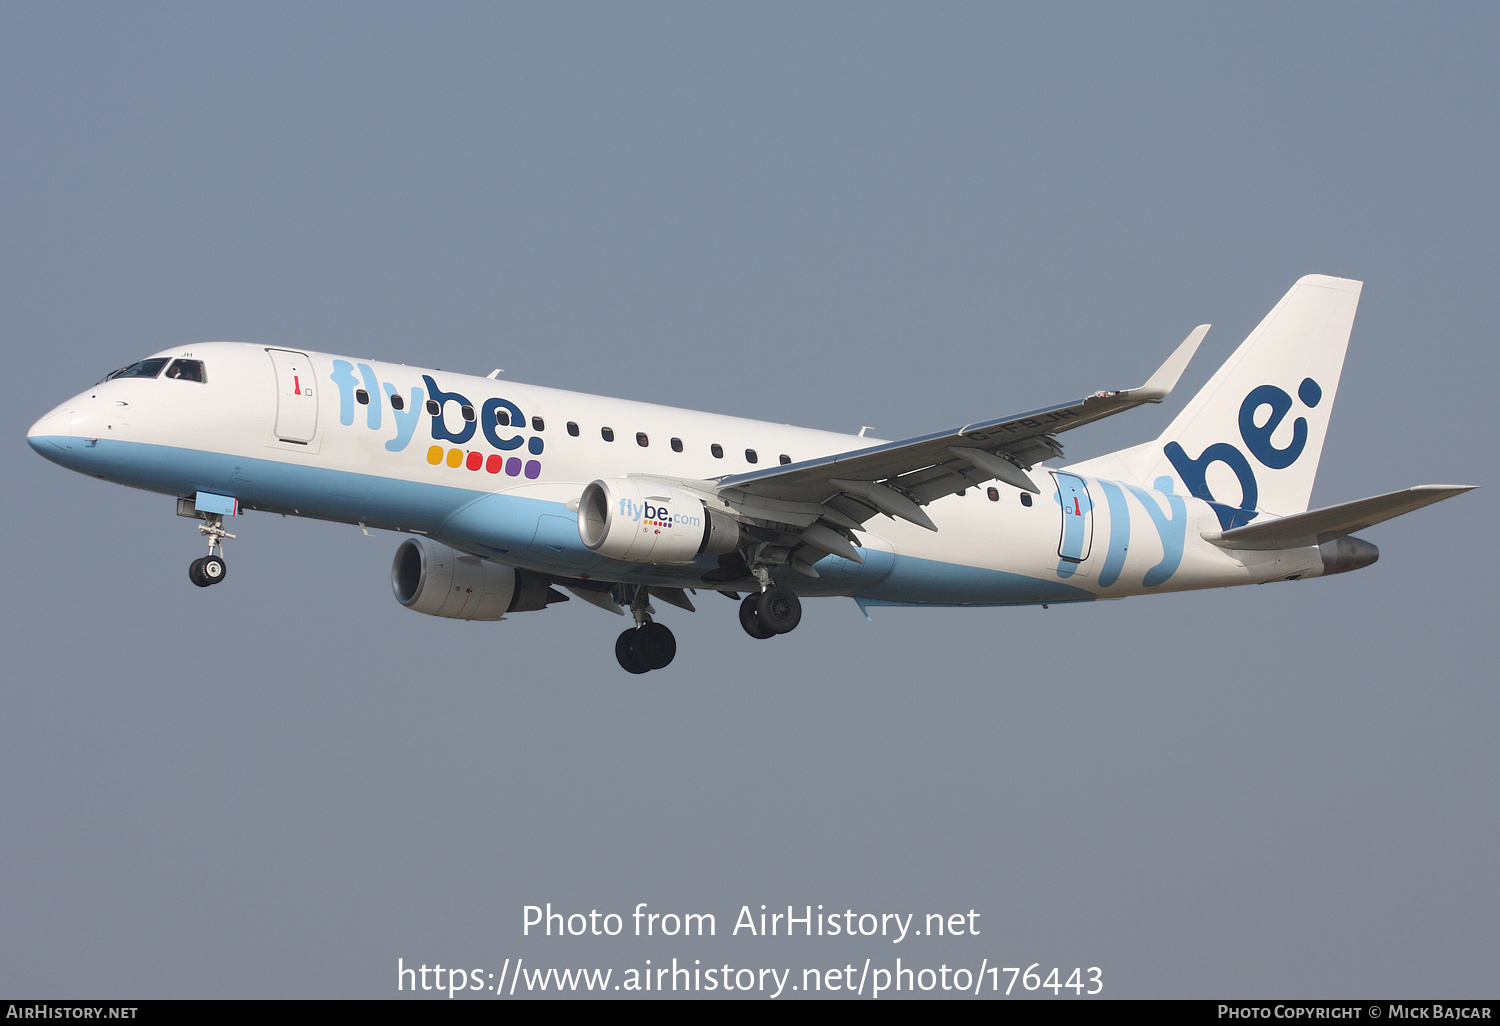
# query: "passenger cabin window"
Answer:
x=397 y=403
x=641 y=439
x=468 y=411
x=362 y=397
x=750 y=456
x=502 y=417
x=433 y=408
x=142 y=369
x=993 y=493
x=187 y=370
x=608 y=434
x=537 y=424
x=573 y=429
x=1026 y=498
x=717 y=450
x=785 y=459
x=676 y=445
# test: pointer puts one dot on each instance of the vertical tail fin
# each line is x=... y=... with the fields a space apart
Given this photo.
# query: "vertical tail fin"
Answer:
x=1249 y=441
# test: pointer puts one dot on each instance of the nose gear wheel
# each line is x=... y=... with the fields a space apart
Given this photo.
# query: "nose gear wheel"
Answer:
x=206 y=570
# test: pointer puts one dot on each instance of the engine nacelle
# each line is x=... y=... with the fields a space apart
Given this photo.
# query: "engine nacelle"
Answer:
x=440 y=581
x=642 y=521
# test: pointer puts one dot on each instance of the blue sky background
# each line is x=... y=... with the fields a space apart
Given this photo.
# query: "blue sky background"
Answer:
x=833 y=215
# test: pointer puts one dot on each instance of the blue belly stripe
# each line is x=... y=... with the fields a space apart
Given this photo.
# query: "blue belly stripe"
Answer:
x=508 y=527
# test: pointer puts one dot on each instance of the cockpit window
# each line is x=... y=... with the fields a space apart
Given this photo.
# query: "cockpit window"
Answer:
x=187 y=370
x=144 y=369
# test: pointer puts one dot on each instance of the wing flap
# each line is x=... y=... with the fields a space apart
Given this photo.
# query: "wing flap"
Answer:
x=595 y=595
x=674 y=597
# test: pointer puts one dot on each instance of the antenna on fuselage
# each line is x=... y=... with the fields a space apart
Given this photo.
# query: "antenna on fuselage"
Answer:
x=495 y=373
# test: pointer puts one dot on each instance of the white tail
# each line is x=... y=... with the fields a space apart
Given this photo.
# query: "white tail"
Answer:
x=1249 y=441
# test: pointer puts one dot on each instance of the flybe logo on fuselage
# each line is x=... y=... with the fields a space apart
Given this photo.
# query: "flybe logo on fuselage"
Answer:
x=495 y=419
x=1257 y=438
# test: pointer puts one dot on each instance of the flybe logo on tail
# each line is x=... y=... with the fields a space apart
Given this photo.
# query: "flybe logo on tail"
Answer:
x=1257 y=439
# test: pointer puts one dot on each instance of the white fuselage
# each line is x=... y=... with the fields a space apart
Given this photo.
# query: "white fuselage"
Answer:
x=288 y=432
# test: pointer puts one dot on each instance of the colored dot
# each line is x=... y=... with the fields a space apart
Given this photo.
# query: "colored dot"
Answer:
x=475 y=461
x=455 y=457
x=494 y=464
x=435 y=455
x=533 y=469
x=535 y=445
x=1309 y=392
x=513 y=466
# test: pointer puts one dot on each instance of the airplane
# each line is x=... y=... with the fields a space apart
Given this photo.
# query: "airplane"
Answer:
x=513 y=494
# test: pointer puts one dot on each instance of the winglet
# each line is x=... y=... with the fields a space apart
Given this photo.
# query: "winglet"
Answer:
x=1165 y=379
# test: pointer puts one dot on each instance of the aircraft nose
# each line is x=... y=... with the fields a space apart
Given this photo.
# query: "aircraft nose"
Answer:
x=36 y=437
x=50 y=435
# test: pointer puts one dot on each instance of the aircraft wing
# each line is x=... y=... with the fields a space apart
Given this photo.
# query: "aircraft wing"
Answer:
x=899 y=478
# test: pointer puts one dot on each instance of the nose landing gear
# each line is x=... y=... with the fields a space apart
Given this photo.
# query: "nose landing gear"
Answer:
x=210 y=569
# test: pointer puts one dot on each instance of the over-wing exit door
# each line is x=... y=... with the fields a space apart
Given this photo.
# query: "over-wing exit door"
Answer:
x=296 y=403
x=1077 y=518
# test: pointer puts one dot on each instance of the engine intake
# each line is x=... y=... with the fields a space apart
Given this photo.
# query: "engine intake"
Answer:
x=641 y=521
x=440 y=581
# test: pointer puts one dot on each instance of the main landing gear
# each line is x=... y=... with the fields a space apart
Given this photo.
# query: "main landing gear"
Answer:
x=773 y=610
x=210 y=569
x=648 y=645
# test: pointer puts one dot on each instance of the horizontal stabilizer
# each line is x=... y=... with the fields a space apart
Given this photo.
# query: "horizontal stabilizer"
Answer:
x=1323 y=525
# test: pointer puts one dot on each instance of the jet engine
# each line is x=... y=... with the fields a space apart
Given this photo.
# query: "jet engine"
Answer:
x=644 y=521
x=440 y=581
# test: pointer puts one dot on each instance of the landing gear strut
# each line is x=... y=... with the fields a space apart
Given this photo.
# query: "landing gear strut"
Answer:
x=647 y=646
x=210 y=569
